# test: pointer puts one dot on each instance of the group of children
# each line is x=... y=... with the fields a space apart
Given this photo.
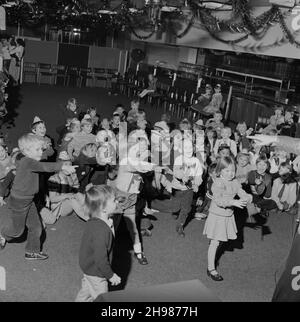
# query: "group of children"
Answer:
x=107 y=170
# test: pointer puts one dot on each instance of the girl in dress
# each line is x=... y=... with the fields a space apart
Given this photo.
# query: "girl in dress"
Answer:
x=220 y=225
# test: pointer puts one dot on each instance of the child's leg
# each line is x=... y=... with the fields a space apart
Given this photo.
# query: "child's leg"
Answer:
x=130 y=220
x=34 y=226
x=91 y=288
x=211 y=254
x=186 y=200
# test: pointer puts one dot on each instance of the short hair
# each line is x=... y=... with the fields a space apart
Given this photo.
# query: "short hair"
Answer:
x=287 y=165
x=96 y=199
x=71 y=101
x=34 y=125
x=86 y=122
x=263 y=158
x=135 y=99
x=26 y=140
x=223 y=163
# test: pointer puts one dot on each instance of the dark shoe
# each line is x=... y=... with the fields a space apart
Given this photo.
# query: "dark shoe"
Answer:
x=141 y=258
x=2 y=242
x=36 y=256
x=216 y=277
x=146 y=233
x=180 y=231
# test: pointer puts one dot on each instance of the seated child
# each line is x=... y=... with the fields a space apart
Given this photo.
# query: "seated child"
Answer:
x=241 y=136
x=243 y=167
x=73 y=129
x=81 y=139
x=64 y=197
x=95 y=255
x=225 y=139
x=152 y=85
x=285 y=188
x=278 y=156
x=216 y=101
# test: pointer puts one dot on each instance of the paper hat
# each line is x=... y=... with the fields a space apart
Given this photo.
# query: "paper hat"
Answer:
x=37 y=120
x=200 y=122
x=208 y=86
x=87 y=117
x=218 y=86
x=64 y=156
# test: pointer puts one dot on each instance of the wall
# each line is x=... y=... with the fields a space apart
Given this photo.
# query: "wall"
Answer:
x=271 y=44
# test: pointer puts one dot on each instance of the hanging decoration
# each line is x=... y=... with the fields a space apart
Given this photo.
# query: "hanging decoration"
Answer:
x=145 y=18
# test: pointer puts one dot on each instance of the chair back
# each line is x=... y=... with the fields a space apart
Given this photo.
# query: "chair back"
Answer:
x=31 y=67
x=59 y=69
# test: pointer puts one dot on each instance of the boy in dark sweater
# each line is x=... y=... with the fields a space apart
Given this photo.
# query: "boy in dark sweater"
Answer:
x=20 y=205
x=95 y=255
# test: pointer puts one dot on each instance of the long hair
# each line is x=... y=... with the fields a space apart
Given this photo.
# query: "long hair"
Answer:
x=96 y=199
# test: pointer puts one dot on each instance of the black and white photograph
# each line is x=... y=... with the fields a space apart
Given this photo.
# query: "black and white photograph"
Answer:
x=149 y=154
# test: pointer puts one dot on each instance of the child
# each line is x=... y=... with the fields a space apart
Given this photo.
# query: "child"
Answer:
x=216 y=101
x=95 y=255
x=220 y=225
x=132 y=114
x=38 y=128
x=63 y=194
x=278 y=115
x=216 y=122
x=20 y=203
x=92 y=112
x=187 y=177
x=241 y=136
x=243 y=167
x=6 y=163
x=261 y=187
x=209 y=143
x=82 y=138
x=115 y=123
x=152 y=84
x=279 y=156
x=204 y=99
x=73 y=128
x=226 y=134
x=285 y=188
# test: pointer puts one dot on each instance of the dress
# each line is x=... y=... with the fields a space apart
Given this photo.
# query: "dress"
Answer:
x=220 y=224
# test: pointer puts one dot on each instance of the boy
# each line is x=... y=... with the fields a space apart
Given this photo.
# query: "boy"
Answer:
x=20 y=203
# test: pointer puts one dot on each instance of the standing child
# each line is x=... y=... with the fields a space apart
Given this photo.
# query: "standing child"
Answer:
x=220 y=225
x=20 y=203
x=95 y=255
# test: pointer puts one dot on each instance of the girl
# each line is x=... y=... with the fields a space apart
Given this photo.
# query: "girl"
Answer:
x=279 y=156
x=152 y=85
x=92 y=112
x=243 y=167
x=241 y=136
x=216 y=101
x=285 y=188
x=220 y=224
x=95 y=255
x=73 y=129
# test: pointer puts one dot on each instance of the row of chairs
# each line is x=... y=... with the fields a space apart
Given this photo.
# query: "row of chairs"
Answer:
x=78 y=76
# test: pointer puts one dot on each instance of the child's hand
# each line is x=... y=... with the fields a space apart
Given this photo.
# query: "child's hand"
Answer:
x=239 y=203
x=115 y=280
x=195 y=188
x=69 y=168
x=258 y=181
x=2 y=202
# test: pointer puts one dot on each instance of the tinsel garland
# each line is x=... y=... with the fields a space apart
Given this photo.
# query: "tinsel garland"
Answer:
x=286 y=31
x=187 y=29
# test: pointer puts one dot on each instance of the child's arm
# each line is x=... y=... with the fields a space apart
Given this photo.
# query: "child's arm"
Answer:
x=233 y=148
x=275 y=192
x=243 y=194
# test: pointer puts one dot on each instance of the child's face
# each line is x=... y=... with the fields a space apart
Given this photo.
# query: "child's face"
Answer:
x=105 y=124
x=243 y=160
x=218 y=117
x=141 y=124
x=278 y=112
x=224 y=153
x=111 y=206
x=116 y=120
x=261 y=167
x=69 y=163
x=283 y=170
x=135 y=105
x=72 y=106
x=210 y=135
x=228 y=173
x=225 y=133
x=184 y=126
x=92 y=113
x=87 y=128
x=3 y=152
x=76 y=128
x=40 y=129
x=35 y=151
x=243 y=129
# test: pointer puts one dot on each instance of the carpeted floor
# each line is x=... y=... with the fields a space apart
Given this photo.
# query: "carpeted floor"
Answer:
x=248 y=267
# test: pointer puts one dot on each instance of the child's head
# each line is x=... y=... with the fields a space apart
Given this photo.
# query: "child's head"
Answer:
x=115 y=120
x=184 y=125
x=278 y=110
x=224 y=151
x=74 y=126
x=64 y=156
x=38 y=127
x=72 y=104
x=135 y=103
x=105 y=124
x=241 y=128
x=100 y=200
x=285 y=168
x=225 y=168
x=86 y=126
x=31 y=146
x=188 y=149
x=92 y=111
x=208 y=89
x=288 y=116
x=141 y=115
x=210 y=133
x=218 y=116
x=226 y=133
x=3 y=152
x=141 y=124
x=89 y=150
x=262 y=164
x=243 y=159
x=165 y=117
